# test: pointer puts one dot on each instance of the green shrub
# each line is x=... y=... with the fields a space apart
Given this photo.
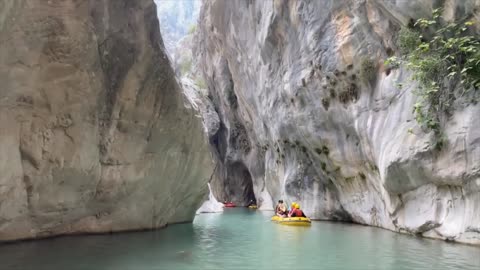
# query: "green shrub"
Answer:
x=325 y=150
x=368 y=69
x=443 y=58
x=326 y=103
x=323 y=165
x=392 y=62
x=408 y=40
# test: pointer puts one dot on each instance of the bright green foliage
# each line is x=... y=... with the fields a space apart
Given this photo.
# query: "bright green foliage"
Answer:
x=445 y=61
x=408 y=40
x=393 y=62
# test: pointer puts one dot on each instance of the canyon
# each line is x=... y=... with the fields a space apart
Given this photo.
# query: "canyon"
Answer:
x=264 y=100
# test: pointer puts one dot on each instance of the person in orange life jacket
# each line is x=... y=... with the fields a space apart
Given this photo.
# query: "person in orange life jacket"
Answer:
x=296 y=212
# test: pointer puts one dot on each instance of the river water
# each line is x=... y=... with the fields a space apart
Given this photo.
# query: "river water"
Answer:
x=241 y=239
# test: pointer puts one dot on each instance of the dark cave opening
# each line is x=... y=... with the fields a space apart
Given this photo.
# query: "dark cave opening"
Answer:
x=239 y=184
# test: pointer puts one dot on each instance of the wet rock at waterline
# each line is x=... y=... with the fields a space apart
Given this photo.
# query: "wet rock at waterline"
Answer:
x=211 y=205
x=95 y=134
x=309 y=113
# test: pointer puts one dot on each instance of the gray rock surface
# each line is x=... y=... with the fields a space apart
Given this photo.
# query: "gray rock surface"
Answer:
x=96 y=135
x=302 y=121
x=195 y=89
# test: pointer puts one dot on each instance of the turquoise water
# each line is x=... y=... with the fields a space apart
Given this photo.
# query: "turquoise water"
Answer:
x=241 y=239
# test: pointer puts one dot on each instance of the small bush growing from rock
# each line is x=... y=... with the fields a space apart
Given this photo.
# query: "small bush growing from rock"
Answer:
x=323 y=165
x=326 y=103
x=332 y=93
x=343 y=97
x=368 y=69
x=407 y=40
x=444 y=58
x=349 y=94
x=353 y=91
x=325 y=150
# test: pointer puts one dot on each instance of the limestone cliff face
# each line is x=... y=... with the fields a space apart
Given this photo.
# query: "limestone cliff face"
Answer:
x=299 y=120
x=95 y=133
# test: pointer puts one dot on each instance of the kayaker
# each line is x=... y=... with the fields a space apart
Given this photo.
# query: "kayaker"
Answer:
x=296 y=211
x=281 y=209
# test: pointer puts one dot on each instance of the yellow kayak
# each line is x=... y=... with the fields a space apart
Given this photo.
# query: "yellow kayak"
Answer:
x=292 y=221
x=252 y=207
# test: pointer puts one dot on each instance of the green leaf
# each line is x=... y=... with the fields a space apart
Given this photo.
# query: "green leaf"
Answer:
x=435 y=51
x=451 y=74
x=424 y=46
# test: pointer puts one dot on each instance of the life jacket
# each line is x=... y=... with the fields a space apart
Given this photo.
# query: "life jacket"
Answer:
x=298 y=213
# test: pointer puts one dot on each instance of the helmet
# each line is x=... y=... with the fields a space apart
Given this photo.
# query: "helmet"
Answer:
x=297 y=206
x=293 y=204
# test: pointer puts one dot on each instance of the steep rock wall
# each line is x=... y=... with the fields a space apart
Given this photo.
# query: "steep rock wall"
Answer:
x=299 y=113
x=95 y=134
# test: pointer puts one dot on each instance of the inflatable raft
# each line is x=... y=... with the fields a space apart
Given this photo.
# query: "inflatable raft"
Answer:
x=229 y=204
x=253 y=206
x=292 y=221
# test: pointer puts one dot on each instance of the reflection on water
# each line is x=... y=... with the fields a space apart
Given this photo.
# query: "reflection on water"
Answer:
x=241 y=239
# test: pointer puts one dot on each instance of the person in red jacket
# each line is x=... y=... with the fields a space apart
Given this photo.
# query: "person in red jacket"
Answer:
x=296 y=212
x=292 y=209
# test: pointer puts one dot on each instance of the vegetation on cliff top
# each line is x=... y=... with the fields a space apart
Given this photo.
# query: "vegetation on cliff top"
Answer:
x=444 y=58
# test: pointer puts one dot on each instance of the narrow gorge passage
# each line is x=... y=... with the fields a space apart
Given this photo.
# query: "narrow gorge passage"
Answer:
x=128 y=126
